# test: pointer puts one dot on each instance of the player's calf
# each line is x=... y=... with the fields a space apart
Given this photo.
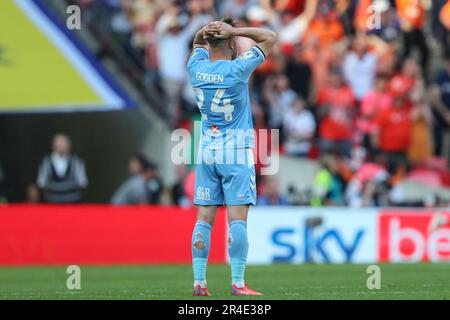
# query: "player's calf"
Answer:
x=238 y=250
x=200 y=250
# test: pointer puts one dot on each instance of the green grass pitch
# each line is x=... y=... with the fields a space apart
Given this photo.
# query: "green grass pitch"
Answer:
x=398 y=281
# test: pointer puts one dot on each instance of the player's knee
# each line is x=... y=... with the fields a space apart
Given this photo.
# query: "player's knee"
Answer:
x=207 y=214
x=237 y=236
x=237 y=213
x=209 y=219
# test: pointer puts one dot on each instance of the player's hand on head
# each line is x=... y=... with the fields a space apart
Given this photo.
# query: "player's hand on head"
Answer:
x=220 y=30
x=226 y=31
x=210 y=30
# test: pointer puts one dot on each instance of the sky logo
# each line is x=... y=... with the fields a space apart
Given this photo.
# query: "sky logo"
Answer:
x=317 y=245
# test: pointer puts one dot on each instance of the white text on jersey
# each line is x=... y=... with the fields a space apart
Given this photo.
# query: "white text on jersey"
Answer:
x=209 y=77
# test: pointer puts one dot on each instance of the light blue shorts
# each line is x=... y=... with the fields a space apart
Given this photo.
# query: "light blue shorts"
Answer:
x=225 y=177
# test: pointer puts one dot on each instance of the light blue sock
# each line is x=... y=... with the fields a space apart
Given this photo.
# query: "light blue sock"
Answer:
x=201 y=238
x=238 y=249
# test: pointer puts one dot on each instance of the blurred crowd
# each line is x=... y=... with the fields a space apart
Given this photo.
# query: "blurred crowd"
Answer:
x=363 y=87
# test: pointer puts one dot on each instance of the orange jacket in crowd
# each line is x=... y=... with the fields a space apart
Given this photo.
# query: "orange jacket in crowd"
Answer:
x=362 y=15
x=411 y=13
x=444 y=15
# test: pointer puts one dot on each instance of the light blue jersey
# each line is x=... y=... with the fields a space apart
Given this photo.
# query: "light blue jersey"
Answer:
x=221 y=91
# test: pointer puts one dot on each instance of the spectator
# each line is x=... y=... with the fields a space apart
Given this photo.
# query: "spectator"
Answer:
x=260 y=17
x=326 y=27
x=420 y=142
x=440 y=94
x=279 y=97
x=444 y=20
x=143 y=19
x=368 y=185
x=178 y=193
x=299 y=127
x=235 y=8
x=321 y=41
x=389 y=27
x=62 y=175
x=271 y=195
x=362 y=16
x=121 y=22
x=359 y=67
x=328 y=185
x=374 y=102
x=33 y=195
x=411 y=71
x=298 y=72
x=337 y=110
x=412 y=17
x=175 y=32
x=394 y=124
x=154 y=184
x=189 y=185
x=440 y=23
x=143 y=187
x=292 y=22
x=136 y=164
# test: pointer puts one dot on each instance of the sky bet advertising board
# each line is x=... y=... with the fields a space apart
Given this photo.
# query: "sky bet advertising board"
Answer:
x=347 y=235
x=50 y=235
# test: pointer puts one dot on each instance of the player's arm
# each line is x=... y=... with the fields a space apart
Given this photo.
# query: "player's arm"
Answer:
x=199 y=48
x=265 y=39
x=199 y=39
